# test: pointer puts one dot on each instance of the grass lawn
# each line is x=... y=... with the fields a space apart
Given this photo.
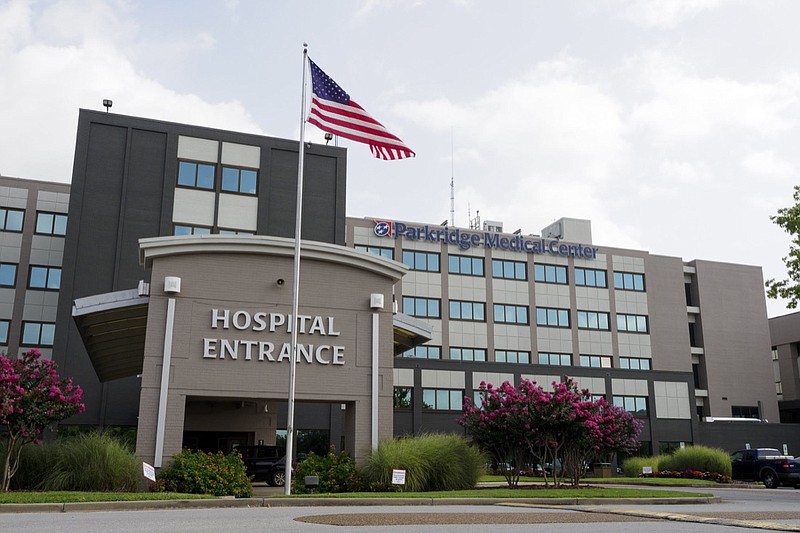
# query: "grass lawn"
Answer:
x=538 y=492
x=660 y=481
x=71 y=497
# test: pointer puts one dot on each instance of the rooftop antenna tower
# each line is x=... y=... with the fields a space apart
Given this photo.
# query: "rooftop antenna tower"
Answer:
x=452 y=184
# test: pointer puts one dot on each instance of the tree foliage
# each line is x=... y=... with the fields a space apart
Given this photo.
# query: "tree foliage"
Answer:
x=526 y=424
x=788 y=218
x=32 y=398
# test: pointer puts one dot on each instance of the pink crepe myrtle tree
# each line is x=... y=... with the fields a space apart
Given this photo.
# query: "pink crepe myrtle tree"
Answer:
x=516 y=425
x=33 y=397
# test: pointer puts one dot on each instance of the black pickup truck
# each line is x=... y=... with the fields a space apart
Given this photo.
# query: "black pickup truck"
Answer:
x=767 y=465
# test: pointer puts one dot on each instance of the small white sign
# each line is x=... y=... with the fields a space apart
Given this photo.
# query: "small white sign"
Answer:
x=785 y=450
x=149 y=471
x=398 y=477
x=683 y=445
x=746 y=445
x=647 y=470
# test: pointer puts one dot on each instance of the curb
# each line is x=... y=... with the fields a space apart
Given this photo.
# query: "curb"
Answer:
x=79 y=507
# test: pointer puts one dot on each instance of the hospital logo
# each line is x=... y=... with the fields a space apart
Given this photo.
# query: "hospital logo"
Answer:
x=383 y=228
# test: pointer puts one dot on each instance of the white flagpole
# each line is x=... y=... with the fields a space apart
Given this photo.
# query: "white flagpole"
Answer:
x=296 y=282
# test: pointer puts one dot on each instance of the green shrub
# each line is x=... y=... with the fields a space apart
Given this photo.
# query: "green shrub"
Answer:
x=632 y=467
x=205 y=473
x=336 y=472
x=92 y=462
x=35 y=464
x=698 y=458
x=431 y=462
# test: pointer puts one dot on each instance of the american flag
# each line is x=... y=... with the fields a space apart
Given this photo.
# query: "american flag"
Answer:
x=333 y=111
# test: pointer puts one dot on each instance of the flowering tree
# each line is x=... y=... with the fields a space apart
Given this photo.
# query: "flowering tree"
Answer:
x=526 y=423
x=32 y=398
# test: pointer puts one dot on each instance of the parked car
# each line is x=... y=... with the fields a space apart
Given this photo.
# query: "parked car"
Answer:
x=767 y=465
x=265 y=463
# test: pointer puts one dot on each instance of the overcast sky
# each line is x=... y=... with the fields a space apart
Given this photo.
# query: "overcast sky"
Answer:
x=671 y=124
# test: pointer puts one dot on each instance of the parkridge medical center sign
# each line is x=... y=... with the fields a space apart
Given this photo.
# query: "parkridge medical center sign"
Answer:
x=467 y=239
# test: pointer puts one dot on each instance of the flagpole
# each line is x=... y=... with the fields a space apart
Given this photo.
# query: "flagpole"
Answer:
x=296 y=283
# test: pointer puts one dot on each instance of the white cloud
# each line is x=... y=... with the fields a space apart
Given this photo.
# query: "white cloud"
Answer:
x=49 y=74
x=767 y=163
x=663 y=14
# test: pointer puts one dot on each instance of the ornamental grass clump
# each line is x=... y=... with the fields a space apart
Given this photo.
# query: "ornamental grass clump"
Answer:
x=93 y=462
x=698 y=458
x=432 y=462
x=633 y=466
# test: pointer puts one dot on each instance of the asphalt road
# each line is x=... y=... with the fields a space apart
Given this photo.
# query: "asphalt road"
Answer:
x=740 y=510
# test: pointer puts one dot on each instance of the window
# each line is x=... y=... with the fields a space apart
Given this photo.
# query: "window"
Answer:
x=241 y=180
x=774 y=353
x=744 y=411
x=402 y=397
x=593 y=320
x=467 y=354
x=550 y=273
x=11 y=219
x=511 y=314
x=195 y=175
x=557 y=318
x=636 y=405
x=589 y=277
x=778 y=388
x=424 y=261
x=38 y=333
x=51 y=224
x=629 y=281
x=424 y=352
x=422 y=307
x=511 y=356
x=634 y=363
x=509 y=269
x=465 y=265
x=471 y=311
x=191 y=230
x=442 y=399
x=234 y=232
x=555 y=359
x=4 y=331
x=8 y=275
x=388 y=253
x=596 y=361
x=632 y=323
x=42 y=277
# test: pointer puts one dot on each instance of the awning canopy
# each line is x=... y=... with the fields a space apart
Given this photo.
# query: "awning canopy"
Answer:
x=113 y=326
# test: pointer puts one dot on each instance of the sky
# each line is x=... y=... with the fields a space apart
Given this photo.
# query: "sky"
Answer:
x=671 y=124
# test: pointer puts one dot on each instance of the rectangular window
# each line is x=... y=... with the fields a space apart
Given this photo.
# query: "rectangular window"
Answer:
x=4 y=331
x=555 y=359
x=223 y=231
x=402 y=397
x=774 y=353
x=595 y=361
x=512 y=356
x=744 y=411
x=470 y=311
x=191 y=230
x=550 y=273
x=629 y=281
x=467 y=354
x=38 y=333
x=424 y=352
x=509 y=269
x=42 y=277
x=422 y=261
x=589 y=277
x=195 y=175
x=636 y=405
x=442 y=399
x=51 y=223
x=465 y=265
x=241 y=180
x=8 y=275
x=388 y=253
x=11 y=219
x=634 y=363
x=632 y=323
x=593 y=320
x=511 y=314
x=422 y=307
x=556 y=318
